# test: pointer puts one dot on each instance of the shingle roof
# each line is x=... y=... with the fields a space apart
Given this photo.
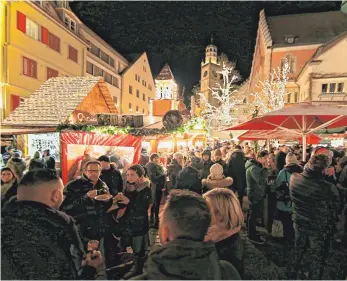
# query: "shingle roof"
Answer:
x=55 y=100
x=165 y=73
x=312 y=28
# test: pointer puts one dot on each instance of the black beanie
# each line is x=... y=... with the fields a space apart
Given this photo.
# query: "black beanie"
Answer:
x=104 y=158
x=140 y=171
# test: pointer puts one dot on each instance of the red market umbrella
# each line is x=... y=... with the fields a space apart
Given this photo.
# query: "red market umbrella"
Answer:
x=302 y=119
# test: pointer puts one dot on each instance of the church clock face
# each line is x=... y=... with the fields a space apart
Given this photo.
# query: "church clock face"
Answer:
x=205 y=73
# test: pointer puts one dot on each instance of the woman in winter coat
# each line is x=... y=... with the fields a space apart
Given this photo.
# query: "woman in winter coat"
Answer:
x=226 y=221
x=37 y=161
x=284 y=203
x=174 y=167
x=134 y=223
x=217 y=158
x=8 y=185
x=157 y=176
x=216 y=178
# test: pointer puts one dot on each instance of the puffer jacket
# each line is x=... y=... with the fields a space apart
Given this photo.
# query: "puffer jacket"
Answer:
x=83 y=209
x=38 y=242
x=210 y=184
x=197 y=261
x=237 y=170
x=172 y=171
x=256 y=178
x=17 y=165
x=189 y=178
x=315 y=202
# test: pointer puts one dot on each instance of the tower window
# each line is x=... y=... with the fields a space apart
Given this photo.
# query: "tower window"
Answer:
x=205 y=73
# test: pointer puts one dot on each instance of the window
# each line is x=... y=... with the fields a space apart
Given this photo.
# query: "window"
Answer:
x=296 y=97
x=29 y=67
x=136 y=77
x=137 y=109
x=70 y=23
x=144 y=69
x=115 y=82
x=97 y=71
x=150 y=87
x=32 y=29
x=130 y=89
x=291 y=63
x=340 y=87
x=288 y=100
x=51 y=73
x=137 y=93
x=105 y=57
x=94 y=50
x=108 y=77
x=111 y=62
x=332 y=88
x=54 y=42
x=143 y=111
x=73 y=54
x=89 y=68
x=115 y=100
x=324 y=88
x=73 y=25
x=130 y=106
x=144 y=97
x=149 y=99
x=143 y=82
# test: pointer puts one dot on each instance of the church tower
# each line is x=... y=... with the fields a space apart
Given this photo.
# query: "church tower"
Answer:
x=210 y=67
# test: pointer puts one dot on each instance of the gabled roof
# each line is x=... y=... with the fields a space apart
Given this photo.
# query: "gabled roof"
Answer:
x=55 y=100
x=310 y=28
x=165 y=74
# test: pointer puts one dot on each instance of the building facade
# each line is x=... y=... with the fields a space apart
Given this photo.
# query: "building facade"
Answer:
x=294 y=38
x=36 y=44
x=138 y=87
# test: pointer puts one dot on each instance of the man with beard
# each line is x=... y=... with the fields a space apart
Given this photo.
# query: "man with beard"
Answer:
x=315 y=202
x=110 y=175
x=184 y=255
x=38 y=241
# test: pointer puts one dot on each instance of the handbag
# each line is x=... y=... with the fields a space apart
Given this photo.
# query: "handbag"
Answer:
x=277 y=229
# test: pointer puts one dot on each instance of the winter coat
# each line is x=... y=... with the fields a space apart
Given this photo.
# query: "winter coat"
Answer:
x=224 y=165
x=284 y=177
x=172 y=171
x=210 y=184
x=206 y=169
x=38 y=243
x=156 y=174
x=256 y=178
x=135 y=219
x=189 y=178
x=247 y=259
x=17 y=165
x=185 y=259
x=315 y=202
x=10 y=191
x=49 y=162
x=237 y=170
x=280 y=160
x=83 y=209
x=36 y=163
x=113 y=179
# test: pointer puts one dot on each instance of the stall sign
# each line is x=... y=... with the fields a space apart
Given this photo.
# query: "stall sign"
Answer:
x=41 y=142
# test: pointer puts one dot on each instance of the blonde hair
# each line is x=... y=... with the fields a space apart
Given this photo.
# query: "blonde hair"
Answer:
x=226 y=207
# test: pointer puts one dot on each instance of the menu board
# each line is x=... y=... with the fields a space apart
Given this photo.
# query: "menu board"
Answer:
x=41 y=142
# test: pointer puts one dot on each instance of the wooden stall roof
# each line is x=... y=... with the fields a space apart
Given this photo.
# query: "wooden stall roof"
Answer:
x=23 y=131
x=57 y=98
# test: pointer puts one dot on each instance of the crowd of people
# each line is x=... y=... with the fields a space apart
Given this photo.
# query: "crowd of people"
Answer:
x=97 y=226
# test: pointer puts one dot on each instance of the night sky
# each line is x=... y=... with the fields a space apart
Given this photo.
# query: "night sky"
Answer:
x=178 y=32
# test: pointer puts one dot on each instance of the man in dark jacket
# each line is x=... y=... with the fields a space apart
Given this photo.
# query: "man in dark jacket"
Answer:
x=190 y=176
x=49 y=159
x=315 y=202
x=206 y=158
x=17 y=164
x=256 y=178
x=184 y=255
x=81 y=206
x=280 y=159
x=110 y=175
x=144 y=159
x=38 y=241
x=237 y=171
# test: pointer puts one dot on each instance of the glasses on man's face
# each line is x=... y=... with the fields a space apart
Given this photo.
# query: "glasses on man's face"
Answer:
x=94 y=171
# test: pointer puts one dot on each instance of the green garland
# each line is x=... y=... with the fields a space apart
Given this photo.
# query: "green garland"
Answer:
x=188 y=127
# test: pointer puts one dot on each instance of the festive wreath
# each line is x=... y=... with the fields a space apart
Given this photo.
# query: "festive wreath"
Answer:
x=172 y=119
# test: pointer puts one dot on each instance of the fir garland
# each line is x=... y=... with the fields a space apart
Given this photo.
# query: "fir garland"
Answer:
x=188 y=127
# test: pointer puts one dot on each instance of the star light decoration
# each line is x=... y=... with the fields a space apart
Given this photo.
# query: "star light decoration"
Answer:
x=224 y=94
x=272 y=92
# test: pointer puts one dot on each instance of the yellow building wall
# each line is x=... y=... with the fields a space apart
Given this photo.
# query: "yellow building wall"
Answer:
x=129 y=78
x=16 y=44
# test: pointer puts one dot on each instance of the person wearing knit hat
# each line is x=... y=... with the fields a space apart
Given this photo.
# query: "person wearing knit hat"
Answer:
x=330 y=173
x=291 y=159
x=315 y=202
x=138 y=198
x=216 y=178
x=206 y=157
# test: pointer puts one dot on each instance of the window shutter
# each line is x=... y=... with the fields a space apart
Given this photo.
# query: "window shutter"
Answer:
x=44 y=35
x=21 y=22
x=15 y=101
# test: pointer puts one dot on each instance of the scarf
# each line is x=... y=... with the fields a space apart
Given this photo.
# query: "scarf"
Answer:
x=215 y=233
x=141 y=184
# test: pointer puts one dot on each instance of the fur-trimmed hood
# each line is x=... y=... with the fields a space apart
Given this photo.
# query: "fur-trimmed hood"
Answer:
x=210 y=184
